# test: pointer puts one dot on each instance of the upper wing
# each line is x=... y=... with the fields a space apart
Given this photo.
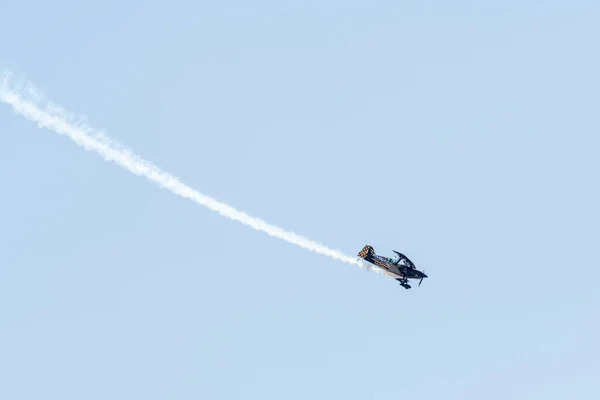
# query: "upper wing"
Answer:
x=406 y=259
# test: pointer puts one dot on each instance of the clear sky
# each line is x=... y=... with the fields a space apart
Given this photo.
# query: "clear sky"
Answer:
x=465 y=136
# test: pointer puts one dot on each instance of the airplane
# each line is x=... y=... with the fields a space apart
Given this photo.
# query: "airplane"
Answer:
x=400 y=267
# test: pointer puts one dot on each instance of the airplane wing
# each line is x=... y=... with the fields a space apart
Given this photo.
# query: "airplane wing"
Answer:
x=406 y=259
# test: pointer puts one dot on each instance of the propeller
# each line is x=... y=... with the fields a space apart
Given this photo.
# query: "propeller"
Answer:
x=422 y=278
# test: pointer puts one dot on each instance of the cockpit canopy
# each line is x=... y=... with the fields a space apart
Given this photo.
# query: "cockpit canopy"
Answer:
x=401 y=259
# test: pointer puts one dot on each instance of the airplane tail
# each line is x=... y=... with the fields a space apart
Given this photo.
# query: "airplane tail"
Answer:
x=367 y=252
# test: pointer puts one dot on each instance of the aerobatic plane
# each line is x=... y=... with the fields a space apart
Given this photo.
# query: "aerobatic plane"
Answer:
x=400 y=267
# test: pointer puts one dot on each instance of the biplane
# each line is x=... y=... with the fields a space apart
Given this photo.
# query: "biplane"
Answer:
x=400 y=267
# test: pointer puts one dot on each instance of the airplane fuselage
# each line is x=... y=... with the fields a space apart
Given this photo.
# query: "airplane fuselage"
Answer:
x=400 y=271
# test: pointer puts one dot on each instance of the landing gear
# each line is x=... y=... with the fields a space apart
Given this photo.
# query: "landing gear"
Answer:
x=403 y=283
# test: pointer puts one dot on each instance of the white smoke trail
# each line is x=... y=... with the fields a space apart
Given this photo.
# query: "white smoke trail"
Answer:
x=28 y=102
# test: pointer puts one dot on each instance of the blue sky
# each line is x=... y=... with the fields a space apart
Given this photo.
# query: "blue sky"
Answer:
x=464 y=136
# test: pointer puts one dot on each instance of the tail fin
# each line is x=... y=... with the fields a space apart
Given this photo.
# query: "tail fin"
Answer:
x=366 y=252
